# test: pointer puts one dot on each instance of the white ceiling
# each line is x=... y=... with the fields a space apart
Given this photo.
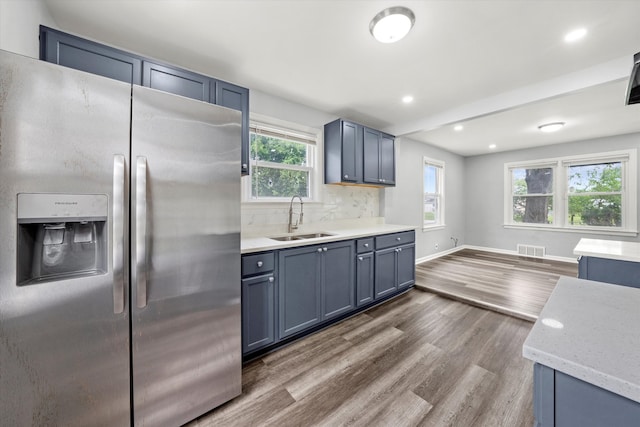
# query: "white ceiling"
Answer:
x=499 y=67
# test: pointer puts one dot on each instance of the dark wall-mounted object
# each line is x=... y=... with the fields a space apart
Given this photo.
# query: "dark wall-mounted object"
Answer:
x=633 y=93
x=81 y=54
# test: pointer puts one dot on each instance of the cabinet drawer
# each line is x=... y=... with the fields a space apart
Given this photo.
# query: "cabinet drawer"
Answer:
x=364 y=245
x=397 y=239
x=257 y=264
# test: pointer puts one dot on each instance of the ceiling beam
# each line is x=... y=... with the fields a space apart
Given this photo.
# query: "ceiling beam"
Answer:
x=616 y=69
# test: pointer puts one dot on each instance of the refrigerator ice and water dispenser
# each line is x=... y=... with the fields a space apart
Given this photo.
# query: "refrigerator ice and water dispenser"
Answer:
x=61 y=236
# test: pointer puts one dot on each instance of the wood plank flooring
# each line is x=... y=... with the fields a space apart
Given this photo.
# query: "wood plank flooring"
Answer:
x=417 y=360
x=519 y=286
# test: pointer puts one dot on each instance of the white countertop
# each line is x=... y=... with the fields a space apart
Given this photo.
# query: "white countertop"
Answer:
x=600 y=339
x=612 y=249
x=251 y=244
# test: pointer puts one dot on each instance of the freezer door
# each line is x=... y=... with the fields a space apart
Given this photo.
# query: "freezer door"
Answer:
x=64 y=323
x=185 y=262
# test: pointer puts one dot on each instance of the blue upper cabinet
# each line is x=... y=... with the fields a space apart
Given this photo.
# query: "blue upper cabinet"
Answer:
x=355 y=154
x=175 y=80
x=236 y=97
x=74 y=52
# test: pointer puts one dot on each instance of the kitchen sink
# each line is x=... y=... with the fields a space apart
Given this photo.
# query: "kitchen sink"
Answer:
x=300 y=237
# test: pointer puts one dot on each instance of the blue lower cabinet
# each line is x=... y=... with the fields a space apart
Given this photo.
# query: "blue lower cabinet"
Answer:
x=406 y=260
x=316 y=283
x=299 y=292
x=565 y=401
x=615 y=271
x=364 y=279
x=258 y=312
x=385 y=273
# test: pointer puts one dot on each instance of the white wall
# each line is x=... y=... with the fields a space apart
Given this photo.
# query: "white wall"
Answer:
x=403 y=204
x=484 y=178
x=19 y=25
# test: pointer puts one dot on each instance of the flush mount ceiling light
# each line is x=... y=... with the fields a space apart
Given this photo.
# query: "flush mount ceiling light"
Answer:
x=575 y=35
x=458 y=128
x=551 y=127
x=392 y=24
x=492 y=147
x=407 y=99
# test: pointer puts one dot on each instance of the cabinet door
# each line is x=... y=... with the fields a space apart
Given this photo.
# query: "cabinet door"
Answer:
x=236 y=97
x=351 y=152
x=387 y=159
x=364 y=279
x=386 y=276
x=371 y=153
x=338 y=290
x=175 y=80
x=299 y=289
x=258 y=312
x=406 y=265
x=74 y=52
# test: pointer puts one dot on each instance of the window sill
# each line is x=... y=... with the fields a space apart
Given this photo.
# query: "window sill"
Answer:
x=434 y=228
x=628 y=233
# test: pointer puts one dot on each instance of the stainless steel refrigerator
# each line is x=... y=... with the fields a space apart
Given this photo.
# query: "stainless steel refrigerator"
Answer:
x=119 y=251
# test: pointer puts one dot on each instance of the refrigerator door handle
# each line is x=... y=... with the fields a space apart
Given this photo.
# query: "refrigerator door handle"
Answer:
x=141 y=232
x=118 y=233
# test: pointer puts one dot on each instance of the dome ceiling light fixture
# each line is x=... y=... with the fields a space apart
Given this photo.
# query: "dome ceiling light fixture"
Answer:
x=551 y=127
x=392 y=24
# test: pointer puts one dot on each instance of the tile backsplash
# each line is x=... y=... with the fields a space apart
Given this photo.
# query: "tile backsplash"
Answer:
x=336 y=202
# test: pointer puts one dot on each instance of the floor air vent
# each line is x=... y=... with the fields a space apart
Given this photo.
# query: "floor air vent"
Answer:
x=528 y=250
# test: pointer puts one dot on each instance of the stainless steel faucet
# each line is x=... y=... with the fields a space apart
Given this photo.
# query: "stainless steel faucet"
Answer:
x=293 y=226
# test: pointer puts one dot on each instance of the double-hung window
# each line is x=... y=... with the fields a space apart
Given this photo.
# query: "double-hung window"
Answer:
x=594 y=193
x=433 y=193
x=282 y=163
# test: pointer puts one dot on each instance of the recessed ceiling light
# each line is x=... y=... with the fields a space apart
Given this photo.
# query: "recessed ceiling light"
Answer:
x=492 y=146
x=458 y=128
x=551 y=127
x=392 y=24
x=407 y=99
x=575 y=35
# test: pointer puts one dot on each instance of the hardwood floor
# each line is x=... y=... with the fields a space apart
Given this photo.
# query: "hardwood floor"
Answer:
x=519 y=286
x=419 y=359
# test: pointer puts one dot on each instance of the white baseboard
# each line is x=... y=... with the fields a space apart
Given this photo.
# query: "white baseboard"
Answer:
x=494 y=250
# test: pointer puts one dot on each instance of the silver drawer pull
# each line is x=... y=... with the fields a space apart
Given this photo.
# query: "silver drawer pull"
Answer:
x=324 y=249
x=319 y=249
x=270 y=279
x=259 y=263
x=398 y=239
x=360 y=258
x=366 y=245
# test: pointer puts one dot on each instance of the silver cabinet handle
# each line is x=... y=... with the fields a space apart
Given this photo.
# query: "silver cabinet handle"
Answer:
x=141 y=232
x=319 y=249
x=270 y=279
x=118 y=233
x=244 y=166
x=259 y=264
x=346 y=177
x=399 y=249
x=324 y=249
x=359 y=258
x=398 y=239
x=366 y=245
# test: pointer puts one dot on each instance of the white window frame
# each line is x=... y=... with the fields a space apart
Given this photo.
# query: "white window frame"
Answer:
x=560 y=165
x=298 y=133
x=440 y=194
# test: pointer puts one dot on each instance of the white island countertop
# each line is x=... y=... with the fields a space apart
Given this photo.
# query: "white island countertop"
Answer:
x=591 y=331
x=611 y=249
x=338 y=232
